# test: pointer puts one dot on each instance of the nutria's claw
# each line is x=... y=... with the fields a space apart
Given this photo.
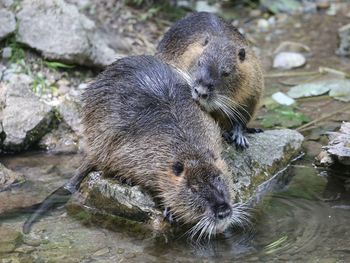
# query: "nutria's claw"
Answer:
x=254 y=130
x=240 y=141
x=236 y=136
x=168 y=215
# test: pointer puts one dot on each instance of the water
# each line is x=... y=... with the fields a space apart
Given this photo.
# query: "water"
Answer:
x=306 y=221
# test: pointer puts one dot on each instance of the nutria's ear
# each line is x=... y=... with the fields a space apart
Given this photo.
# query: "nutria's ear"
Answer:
x=241 y=54
x=225 y=73
x=178 y=168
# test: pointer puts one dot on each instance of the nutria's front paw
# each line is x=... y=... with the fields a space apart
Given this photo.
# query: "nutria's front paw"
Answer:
x=254 y=130
x=168 y=215
x=240 y=141
x=237 y=138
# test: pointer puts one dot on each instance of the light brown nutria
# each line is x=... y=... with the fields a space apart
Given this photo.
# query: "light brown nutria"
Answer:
x=228 y=82
x=141 y=125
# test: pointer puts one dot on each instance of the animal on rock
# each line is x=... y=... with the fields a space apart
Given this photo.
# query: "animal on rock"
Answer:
x=141 y=125
x=227 y=78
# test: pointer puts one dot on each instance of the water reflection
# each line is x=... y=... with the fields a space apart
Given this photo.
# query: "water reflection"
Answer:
x=304 y=221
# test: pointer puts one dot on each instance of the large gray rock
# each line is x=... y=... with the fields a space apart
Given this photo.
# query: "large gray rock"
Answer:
x=7 y=23
x=60 y=32
x=60 y=141
x=9 y=178
x=69 y=110
x=269 y=152
x=24 y=118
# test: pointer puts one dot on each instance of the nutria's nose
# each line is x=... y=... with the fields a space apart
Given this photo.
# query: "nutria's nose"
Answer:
x=201 y=92
x=223 y=210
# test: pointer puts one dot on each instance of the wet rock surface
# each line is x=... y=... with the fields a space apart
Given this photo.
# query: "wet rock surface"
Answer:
x=268 y=153
x=10 y=238
x=9 y=178
x=24 y=118
x=7 y=23
x=62 y=140
x=69 y=110
x=60 y=32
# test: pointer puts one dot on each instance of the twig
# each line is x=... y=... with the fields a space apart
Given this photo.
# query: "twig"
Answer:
x=303 y=127
x=292 y=74
x=315 y=98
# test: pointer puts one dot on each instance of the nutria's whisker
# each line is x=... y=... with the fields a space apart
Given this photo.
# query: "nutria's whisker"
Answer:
x=231 y=106
x=230 y=112
x=240 y=215
x=233 y=103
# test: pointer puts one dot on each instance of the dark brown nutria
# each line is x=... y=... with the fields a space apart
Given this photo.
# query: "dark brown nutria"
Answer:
x=228 y=82
x=141 y=125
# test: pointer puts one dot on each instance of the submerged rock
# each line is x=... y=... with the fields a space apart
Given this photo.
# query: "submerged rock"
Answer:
x=9 y=178
x=60 y=32
x=269 y=152
x=10 y=238
x=24 y=118
x=7 y=23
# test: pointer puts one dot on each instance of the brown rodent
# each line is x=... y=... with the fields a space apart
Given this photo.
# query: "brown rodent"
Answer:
x=141 y=125
x=228 y=81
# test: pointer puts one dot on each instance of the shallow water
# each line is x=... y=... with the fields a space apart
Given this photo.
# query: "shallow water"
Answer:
x=305 y=221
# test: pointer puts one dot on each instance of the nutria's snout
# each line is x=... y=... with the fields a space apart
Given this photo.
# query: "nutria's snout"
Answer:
x=205 y=201
x=222 y=210
x=204 y=83
x=219 y=199
x=200 y=92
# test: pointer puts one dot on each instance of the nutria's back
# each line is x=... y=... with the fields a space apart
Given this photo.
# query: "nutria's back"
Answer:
x=141 y=99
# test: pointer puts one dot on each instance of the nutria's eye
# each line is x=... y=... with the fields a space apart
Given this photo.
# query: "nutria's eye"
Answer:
x=241 y=54
x=206 y=41
x=194 y=189
x=225 y=73
x=178 y=168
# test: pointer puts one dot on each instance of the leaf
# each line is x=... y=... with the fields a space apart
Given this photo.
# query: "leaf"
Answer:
x=341 y=90
x=277 y=6
x=310 y=89
x=56 y=65
x=338 y=89
x=284 y=116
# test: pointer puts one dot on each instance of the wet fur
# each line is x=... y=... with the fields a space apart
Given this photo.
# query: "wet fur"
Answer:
x=245 y=87
x=139 y=120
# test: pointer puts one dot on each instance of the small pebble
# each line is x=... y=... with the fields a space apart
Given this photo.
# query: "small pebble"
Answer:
x=288 y=60
x=283 y=99
x=7 y=52
x=263 y=25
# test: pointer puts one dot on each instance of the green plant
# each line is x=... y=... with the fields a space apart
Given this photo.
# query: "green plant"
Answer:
x=57 y=65
x=284 y=116
x=17 y=49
